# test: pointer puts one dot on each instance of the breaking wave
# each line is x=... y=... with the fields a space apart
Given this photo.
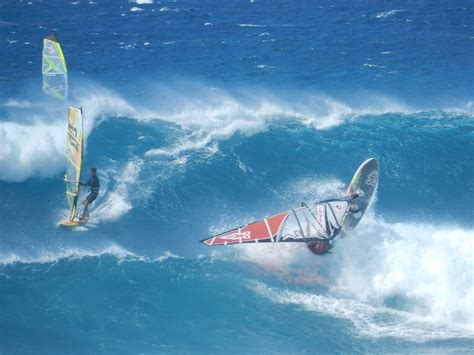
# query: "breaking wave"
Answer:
x=35 y=147
x=403 y=280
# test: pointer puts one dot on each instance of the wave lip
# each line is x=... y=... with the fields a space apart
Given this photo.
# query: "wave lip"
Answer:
x=36 y=147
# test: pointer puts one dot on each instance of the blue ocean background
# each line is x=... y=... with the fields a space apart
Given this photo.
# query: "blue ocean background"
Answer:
x=204 y=115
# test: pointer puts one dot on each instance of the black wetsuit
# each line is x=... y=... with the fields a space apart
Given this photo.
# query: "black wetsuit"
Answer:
x=94 y=187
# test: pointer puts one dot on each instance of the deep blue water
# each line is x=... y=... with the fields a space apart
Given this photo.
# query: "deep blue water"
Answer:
x=201 y=116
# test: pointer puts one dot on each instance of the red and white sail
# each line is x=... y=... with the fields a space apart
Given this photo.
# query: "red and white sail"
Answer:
x=265 y=230
x=322 y=220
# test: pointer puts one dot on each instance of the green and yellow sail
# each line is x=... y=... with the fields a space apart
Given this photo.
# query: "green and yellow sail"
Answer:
x=74 y=156
x=54 y=69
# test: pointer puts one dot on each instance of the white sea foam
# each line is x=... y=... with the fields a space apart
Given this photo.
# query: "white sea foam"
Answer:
x=250 y=25
x=73 y=253
x=31 y=149
x=141 y=2
x=115 y=203
x=404 y=280
x=214 y=114
x=18 y=103
x=388 y=13
x=136 y=9
x=49 y=256
x=167 y=9
x=314 y=188
x=36 y=146
x=370 y=321
x=429 y=267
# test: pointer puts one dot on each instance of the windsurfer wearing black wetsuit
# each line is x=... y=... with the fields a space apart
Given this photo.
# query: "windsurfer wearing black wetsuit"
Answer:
x=94 y=186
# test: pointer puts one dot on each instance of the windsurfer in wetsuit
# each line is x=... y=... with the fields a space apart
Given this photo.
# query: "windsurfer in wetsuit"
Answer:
x=320 y=247
x=94 y=186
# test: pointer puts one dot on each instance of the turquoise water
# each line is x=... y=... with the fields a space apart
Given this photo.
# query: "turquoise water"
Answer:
x=204 y=116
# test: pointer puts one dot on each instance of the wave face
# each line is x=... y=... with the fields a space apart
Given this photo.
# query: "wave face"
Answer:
x=200 y=118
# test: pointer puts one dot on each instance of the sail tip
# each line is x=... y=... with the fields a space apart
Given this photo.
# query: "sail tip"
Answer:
x=52 y=38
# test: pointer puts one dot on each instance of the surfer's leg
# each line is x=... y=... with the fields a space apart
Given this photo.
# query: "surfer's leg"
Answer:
x=89 y=199
x=86 y=209
x=85 y=212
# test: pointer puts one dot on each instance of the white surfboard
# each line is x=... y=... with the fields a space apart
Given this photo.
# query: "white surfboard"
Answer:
x=363 y=185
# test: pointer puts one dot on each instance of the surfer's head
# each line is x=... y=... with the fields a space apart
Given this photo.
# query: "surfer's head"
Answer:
x=93 y=171
x=319 y=247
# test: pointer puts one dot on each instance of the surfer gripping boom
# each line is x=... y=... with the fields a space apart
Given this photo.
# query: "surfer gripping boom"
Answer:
x=317 y=224
x=94 y=186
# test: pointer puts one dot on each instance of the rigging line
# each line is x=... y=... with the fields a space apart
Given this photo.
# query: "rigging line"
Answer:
x=316 y=219
x=299 y=224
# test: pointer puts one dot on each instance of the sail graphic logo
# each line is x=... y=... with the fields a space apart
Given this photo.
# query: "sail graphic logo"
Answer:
x=372 y=178
x=237 y=236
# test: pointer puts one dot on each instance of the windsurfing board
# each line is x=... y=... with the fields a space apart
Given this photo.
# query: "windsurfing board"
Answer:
x=363 y=185
x=76 y=222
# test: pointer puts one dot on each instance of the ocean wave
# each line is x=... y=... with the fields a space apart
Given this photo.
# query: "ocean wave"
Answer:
x=31 y=149
x=37 y=146
x=213 y=114
x=404 y=280
x=417 y=274
x=368 y=320
x=204 y=116
x=115 y=203
x=53 y=256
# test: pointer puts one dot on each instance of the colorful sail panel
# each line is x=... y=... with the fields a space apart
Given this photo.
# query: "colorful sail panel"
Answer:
x=321 y=220
x=54 y=69
x=74 y=155
x=264 y=230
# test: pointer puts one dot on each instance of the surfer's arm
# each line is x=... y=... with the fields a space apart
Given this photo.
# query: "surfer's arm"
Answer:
x=88 y=183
